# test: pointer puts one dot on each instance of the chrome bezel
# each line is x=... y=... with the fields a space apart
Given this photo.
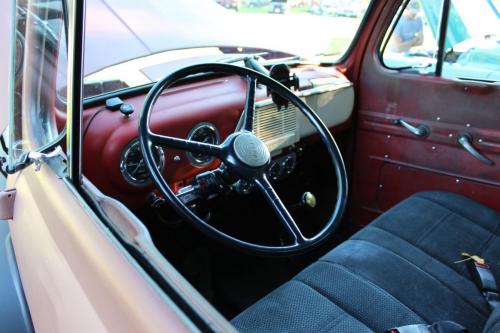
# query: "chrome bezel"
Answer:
x=123 y=166
x=291 y=158
x=193 y=160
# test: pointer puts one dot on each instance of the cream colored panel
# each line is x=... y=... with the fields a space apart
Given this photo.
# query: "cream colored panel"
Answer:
x=282 y=128
x=334 y=108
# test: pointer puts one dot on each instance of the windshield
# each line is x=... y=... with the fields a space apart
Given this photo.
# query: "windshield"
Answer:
x=130 y=43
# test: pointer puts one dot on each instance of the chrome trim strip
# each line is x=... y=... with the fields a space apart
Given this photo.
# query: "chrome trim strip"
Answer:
x=313 y=91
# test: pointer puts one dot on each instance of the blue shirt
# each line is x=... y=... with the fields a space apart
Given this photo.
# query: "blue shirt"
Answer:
x=408 y=28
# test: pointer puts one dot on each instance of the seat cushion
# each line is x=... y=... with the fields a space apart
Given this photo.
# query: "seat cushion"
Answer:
x=399 y=270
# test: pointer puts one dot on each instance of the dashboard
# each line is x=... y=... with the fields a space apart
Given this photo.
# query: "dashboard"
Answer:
x=206 y=110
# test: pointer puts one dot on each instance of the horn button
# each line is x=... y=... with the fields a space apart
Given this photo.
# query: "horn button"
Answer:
x=251 y=151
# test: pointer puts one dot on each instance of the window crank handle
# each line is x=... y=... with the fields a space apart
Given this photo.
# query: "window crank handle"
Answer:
x=420 y=130
x=465 y=140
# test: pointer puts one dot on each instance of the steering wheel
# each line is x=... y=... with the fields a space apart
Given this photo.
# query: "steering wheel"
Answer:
x=243 y=156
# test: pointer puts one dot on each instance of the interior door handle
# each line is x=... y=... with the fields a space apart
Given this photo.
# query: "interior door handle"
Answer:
x=465 y=140
x=419 y=130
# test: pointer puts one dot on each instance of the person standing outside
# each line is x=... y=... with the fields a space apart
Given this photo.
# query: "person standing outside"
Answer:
x=409 y=30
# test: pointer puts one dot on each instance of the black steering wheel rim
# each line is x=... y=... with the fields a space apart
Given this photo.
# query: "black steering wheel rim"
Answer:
x=149 y=139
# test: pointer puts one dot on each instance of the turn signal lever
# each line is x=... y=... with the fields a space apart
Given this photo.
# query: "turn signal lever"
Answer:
x=154 y=200
x=206 y=185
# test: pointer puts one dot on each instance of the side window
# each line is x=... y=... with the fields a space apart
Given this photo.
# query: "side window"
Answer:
x=472 y=48
x=412 y=43
x=471 y=45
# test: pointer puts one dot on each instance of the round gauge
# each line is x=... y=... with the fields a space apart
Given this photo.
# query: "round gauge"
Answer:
x=134 y=168
x=206 y=133
x=289 y=165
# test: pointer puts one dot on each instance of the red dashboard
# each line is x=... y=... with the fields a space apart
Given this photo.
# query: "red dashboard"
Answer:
x=218 y=101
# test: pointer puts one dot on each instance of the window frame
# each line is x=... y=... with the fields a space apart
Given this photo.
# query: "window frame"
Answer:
x=74 y=94
x=444 y=16
x=15 y=165
x=441 y=40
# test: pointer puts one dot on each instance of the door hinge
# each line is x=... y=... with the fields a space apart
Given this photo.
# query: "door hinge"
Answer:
x=38 y=158
x=7 y=199
x=33 y=157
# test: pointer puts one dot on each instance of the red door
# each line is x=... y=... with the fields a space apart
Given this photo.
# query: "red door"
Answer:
x=392 y=163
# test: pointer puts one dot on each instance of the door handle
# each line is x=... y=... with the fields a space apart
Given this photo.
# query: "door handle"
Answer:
x=465 y=140
x=421 y=130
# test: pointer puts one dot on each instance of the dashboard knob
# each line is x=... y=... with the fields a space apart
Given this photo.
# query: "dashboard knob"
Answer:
x=243 y=187
x=126 y=109
x=274 y=171
x=289 y=165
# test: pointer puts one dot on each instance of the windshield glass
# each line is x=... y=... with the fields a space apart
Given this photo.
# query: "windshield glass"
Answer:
x=130 y=43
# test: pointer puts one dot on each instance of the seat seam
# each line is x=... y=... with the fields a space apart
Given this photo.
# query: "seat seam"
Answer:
x=423 y=251
x=434 y=227
x=364 y=278
x=482 y=246
x=457 y=213
x=429 y=255
x=488 y=242
x=479 y=312
x=319 y=292
x=370 y=283
x=328 y=327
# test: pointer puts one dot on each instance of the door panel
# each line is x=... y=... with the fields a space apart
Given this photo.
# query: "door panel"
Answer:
x=391 y=163
x=76 y=277
x=402 y=181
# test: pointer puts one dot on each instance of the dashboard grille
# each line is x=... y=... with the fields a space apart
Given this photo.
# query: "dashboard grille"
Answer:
x=277 y=128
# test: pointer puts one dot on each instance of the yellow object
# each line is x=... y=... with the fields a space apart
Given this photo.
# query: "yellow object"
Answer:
x=468 y=256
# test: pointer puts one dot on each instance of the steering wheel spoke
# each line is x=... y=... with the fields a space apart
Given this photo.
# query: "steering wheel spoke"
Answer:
x=187 y=145
x=250 y=103
x=280 y=209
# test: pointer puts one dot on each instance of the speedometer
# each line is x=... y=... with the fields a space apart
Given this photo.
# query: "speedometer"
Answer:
x=134 y=168
x=206 y=133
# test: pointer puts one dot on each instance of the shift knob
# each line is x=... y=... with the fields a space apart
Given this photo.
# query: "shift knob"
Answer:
x=308 y=200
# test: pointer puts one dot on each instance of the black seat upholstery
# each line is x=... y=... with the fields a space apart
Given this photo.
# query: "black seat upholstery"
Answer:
x=399 y=270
